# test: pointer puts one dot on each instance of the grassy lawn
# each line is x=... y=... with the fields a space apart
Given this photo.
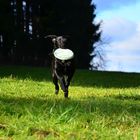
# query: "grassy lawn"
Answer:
x=102 y=106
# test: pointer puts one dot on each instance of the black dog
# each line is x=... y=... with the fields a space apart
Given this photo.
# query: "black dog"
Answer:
x=62 y=70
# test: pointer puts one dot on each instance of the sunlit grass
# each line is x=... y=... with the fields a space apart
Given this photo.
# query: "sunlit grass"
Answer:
x=102 y=105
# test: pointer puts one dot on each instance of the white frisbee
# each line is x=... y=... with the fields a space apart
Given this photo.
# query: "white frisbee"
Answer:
x=63 y=54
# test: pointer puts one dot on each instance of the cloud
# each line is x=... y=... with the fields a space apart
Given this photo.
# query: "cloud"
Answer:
x=118 y=29
x=121 y=30
x=131 y=42
x=126 y=63
x=111 y=4
x=124 y=55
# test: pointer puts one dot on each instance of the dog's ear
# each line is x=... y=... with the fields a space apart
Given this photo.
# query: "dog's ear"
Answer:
x=51 y=36
x=53 y=40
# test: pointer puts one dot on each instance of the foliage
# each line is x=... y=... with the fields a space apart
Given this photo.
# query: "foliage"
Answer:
x=26 y=23
x=102 y=105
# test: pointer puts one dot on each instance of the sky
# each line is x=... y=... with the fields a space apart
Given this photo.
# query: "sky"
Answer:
x=121 y=30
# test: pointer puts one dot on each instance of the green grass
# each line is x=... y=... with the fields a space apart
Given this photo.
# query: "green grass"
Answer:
x=102 y=106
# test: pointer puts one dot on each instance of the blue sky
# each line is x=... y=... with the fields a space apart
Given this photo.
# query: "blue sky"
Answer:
x=121 y=29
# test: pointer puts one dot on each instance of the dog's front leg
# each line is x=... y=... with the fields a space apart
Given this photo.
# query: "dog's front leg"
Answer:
x=55 y=81
x=63 y=84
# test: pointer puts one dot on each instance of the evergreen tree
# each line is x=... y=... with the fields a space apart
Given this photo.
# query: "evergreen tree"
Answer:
x=24 y=23
x=74 y=18
x=6 y=30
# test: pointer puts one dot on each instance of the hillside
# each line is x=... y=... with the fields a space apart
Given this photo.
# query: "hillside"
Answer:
x=102 y=105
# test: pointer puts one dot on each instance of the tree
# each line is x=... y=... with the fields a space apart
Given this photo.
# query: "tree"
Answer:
x=99 y=60
x=74 y=18
x=6 y=30
x=33 y=19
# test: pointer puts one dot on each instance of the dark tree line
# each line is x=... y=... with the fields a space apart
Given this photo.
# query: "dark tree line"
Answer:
x=25 y=23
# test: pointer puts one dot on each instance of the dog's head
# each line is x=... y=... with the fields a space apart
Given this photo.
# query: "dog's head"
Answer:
x=61 y=49
x=59 y=41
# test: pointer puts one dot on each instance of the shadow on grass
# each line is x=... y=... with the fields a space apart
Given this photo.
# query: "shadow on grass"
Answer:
x=23 y=72
x=106 y=79
x=130 y=97
x=83 y=78
x=106 y=106
x=107 y=112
